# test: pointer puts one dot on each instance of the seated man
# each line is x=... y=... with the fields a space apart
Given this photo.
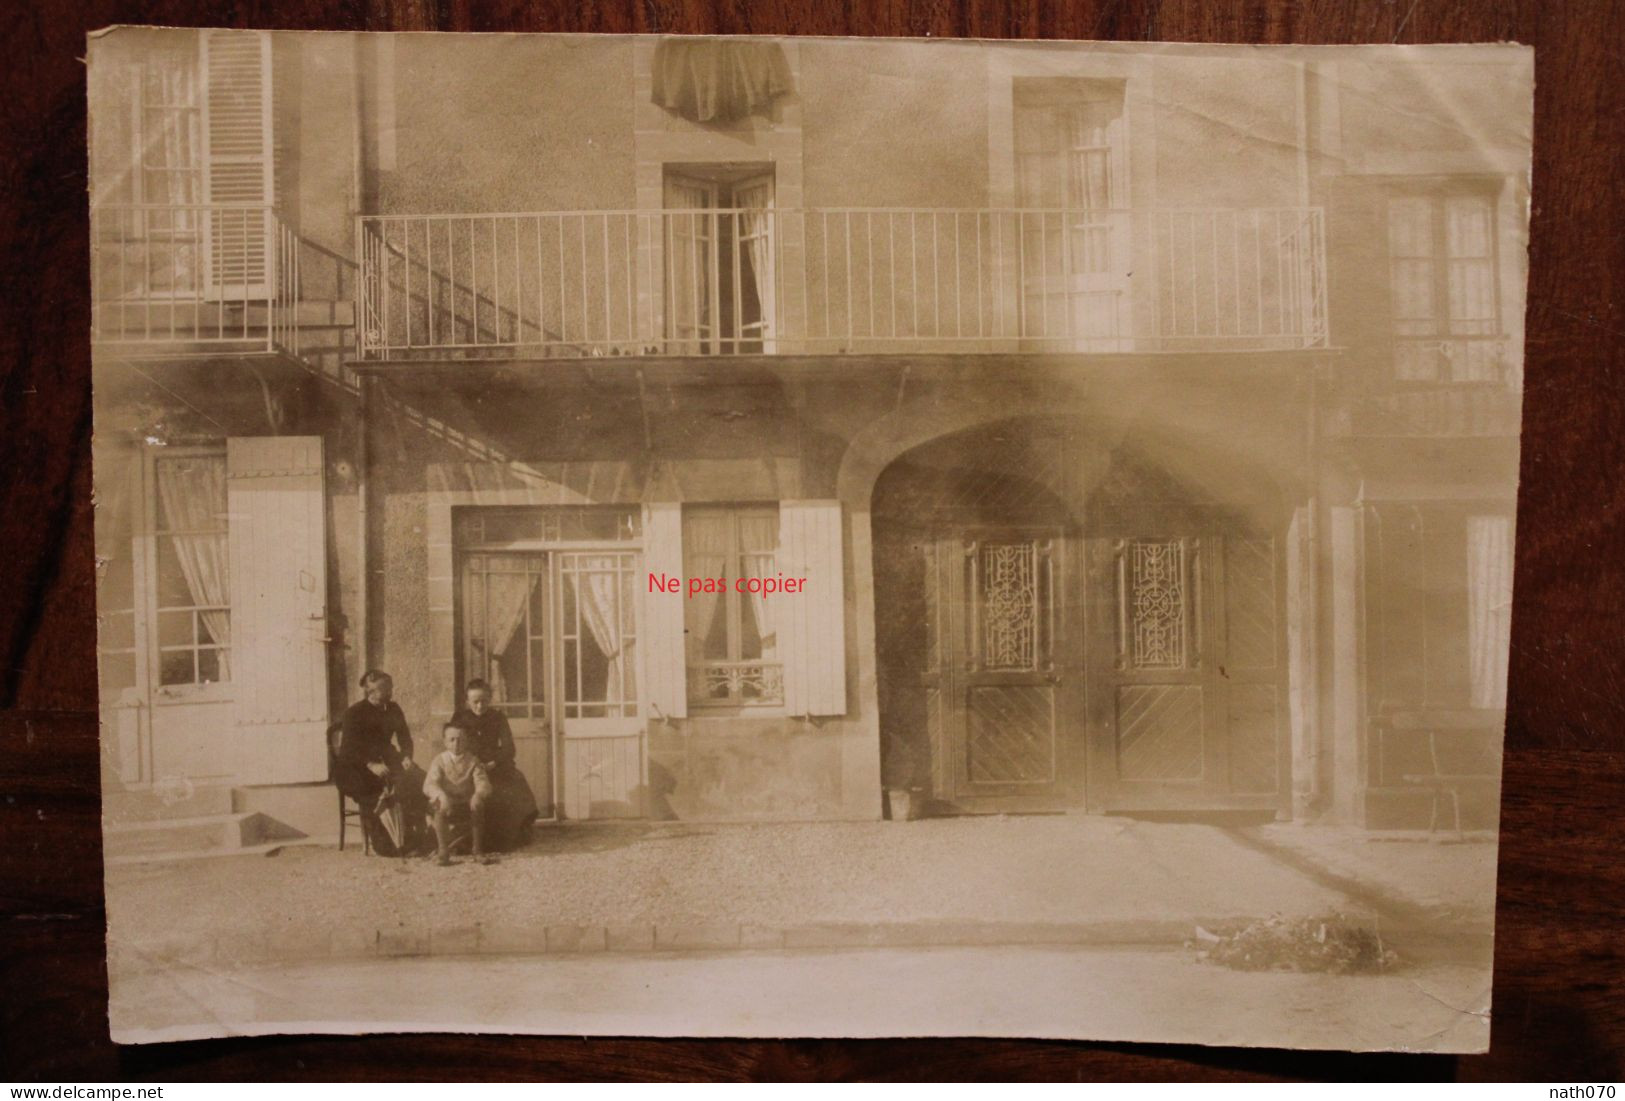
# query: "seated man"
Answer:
x=457 y=782
x=375 y=767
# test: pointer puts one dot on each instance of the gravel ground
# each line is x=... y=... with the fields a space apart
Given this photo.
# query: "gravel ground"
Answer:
x=1437 y=872
x=1016 y=869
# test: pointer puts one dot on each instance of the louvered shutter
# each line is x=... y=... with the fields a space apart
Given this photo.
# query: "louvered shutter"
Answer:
x=812 y=640
x=664 y=673
x=278 y=564
x=237 y=162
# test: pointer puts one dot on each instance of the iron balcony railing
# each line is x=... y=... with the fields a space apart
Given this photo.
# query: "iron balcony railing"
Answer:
x=172 y=279
x=776 y=281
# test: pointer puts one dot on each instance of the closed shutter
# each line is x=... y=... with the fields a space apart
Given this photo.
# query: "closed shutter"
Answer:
x=663 y=653
x=812 y=641
x=278 y=559
x=237 y=162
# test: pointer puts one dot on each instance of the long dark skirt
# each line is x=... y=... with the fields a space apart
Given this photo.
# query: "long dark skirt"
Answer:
x=511 y=811
x=398 y=824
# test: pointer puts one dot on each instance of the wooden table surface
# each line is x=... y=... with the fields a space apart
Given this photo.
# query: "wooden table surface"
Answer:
x=1559 y=1009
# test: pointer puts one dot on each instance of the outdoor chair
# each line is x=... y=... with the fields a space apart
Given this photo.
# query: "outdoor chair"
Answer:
x=348 y=808
x=1447 y=782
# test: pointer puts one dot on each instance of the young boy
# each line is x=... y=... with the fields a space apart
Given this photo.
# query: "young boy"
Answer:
x=457 y=779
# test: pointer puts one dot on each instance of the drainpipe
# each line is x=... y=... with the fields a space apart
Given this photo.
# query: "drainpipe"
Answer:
x=364 y=445
x=364 y=557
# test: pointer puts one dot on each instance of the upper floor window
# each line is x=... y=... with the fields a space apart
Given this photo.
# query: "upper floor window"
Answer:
x=719 y=259
x=1442 y=256
x=182 y=168
x=732 y=648
x=1069 y=144
x=1072 y=241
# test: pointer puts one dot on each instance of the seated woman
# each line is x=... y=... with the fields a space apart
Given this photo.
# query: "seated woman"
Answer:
x=374 y=767
x=512 y=809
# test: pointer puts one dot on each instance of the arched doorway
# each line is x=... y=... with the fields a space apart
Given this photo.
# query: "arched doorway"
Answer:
x=1065 y=620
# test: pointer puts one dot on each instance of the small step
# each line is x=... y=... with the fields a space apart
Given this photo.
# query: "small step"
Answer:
x=224 y=832
x=121 y=806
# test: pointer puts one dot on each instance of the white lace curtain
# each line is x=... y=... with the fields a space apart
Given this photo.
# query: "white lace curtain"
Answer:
x=192 y=495
x=1489 y=607
x=506 y=595
x=758 y=542
x=705 y=554
x=755 y=201
x=595 y=583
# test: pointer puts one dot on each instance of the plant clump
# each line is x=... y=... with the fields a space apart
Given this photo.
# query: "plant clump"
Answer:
x=1334 y=944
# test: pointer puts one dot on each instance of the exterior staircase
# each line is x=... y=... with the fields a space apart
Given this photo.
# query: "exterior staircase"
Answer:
x=142 y=826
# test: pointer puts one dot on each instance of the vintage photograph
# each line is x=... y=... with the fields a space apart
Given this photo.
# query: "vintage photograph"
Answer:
x=668 y=536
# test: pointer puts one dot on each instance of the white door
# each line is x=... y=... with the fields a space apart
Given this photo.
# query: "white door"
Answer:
x=278 y=557
x=602 y=766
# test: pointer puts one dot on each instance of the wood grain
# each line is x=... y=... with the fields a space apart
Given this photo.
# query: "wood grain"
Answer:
x=1560 y=999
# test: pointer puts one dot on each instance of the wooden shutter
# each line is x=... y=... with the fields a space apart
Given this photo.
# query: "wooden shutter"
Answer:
x=664 y=674
x=278 y=562
x=237 y=162
x=812 y=639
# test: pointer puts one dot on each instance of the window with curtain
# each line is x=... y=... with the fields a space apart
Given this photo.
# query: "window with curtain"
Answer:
x=732 y=651
x=1489 y=608
x=148 y=171
x=1440 y=610
x=1442 y=258
x=192 y=582
x=505 y=629
x=598 y=634
x=719 y=243
x=1071 y=183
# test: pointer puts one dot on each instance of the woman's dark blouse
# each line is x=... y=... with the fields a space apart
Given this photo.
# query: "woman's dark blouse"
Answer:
x=368 y=731
x=492 y=737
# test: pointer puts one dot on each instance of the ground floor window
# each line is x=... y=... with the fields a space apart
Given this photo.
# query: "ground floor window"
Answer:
x=1440 y=598
x=731 y=641
x=191 y=577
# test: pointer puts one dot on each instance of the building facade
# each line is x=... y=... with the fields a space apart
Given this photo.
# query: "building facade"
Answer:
x=1143 y=422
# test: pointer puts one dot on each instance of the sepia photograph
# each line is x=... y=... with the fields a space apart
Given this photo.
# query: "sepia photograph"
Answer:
x=645 y=535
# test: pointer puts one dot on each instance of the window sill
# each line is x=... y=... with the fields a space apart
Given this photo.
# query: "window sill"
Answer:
x=181 y=694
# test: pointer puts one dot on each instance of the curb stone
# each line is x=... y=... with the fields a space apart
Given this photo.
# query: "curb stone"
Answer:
x=259 y=947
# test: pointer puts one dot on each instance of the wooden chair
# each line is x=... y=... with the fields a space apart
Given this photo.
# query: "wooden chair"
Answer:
x=348 y=808
x=1447 y=782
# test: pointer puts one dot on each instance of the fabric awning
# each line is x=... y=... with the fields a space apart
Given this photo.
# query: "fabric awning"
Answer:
x=715 y=80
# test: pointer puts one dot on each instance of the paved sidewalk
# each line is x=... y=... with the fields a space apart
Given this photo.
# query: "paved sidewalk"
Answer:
x=997 y=880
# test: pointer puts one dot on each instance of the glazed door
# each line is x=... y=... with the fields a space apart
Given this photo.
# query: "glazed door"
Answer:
x=509 y=641
x=1184 y=674
x=995 y=680
x=601 y=747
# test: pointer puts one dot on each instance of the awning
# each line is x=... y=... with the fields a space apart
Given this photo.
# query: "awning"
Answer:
x=717 y=80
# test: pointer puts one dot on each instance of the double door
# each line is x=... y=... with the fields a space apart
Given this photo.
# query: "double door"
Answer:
x=1113 y=674
x=555 y=634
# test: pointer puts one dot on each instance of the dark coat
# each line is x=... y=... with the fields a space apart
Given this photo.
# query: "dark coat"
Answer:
x=490 y=736
x=372 y=735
